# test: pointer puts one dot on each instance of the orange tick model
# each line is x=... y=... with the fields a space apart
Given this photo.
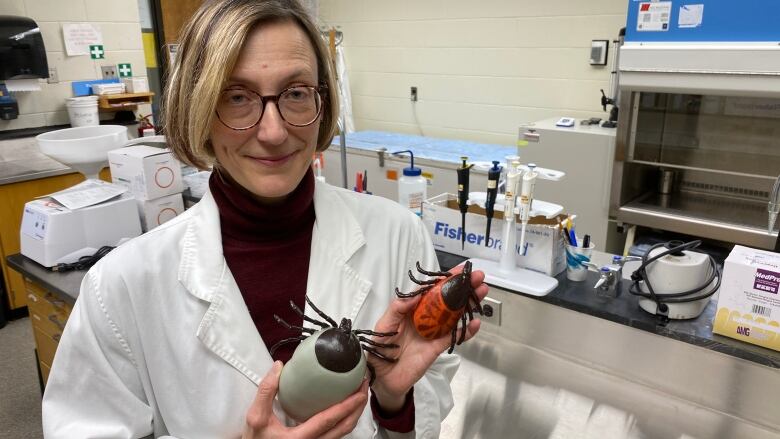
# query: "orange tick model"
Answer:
x=444 y=301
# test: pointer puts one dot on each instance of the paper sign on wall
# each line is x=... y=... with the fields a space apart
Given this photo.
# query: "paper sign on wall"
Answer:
x=654 y=17
x=79 y=36
x=690 y=16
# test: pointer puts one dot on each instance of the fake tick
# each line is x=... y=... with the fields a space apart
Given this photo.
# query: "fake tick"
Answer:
x=328 y=365
x=444 y=302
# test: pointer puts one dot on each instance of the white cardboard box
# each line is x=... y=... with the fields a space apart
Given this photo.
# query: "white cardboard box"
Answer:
x=544 y=252
x=136 y=85
x=149 y=172
x=157 y=211
x=749 y=300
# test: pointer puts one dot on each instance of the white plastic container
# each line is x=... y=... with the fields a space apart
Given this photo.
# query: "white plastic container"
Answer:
x=412 y=187
x=83 y=111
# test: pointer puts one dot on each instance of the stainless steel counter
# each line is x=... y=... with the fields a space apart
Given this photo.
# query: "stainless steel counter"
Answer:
x=20 y=160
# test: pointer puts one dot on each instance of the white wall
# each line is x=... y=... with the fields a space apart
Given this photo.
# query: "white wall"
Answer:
x=119 y=24
x=482 y=68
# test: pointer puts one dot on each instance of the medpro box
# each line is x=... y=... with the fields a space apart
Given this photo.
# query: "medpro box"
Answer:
x=160 y=210
x=149 y=172
x=544 y=250
x=749 y=302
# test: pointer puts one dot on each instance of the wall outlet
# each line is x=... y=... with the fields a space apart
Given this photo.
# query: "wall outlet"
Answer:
x=413 y=94
x=492 y=311
x=53 y=78
x=109 y=72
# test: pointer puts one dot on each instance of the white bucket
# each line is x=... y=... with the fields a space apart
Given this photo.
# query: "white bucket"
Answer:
x=83 y=111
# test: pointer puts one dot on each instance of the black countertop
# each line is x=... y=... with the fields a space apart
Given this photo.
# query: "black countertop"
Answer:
x=577 y=296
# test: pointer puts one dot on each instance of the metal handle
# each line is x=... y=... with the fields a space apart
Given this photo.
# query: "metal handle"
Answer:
x=53 y=319
x=57 y=303
x=32 y=297
x=381 y=153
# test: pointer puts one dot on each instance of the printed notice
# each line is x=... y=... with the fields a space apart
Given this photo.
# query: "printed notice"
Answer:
x=79 y=36
x=88 y=193
x=690 y=16
x=654 y=17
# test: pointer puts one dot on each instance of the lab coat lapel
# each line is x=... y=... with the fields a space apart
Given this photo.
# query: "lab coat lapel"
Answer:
x=227 y=328
x=333 y=284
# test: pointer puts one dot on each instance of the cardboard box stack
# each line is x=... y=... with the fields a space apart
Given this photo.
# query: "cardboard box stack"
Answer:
x=153 y=176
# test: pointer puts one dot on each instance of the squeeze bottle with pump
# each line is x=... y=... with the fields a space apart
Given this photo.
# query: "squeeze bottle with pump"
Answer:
x=412 y=186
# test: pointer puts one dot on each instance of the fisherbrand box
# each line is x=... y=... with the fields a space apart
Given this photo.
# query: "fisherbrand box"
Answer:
x=749 y=302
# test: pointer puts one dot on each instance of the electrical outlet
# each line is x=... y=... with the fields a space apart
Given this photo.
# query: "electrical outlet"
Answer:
x=109 y=72
x=492 y=311
x=52 y=79
x=413 y=95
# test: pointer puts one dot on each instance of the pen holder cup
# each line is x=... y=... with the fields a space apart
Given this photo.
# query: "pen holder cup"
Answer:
x=576 y=257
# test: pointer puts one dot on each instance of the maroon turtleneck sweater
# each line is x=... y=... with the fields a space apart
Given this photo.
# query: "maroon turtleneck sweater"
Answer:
x=267 y=248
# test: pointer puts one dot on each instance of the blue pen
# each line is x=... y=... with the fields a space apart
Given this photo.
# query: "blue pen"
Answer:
x=573 y=237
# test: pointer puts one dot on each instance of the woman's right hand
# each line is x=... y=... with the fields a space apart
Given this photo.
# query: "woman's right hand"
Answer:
x=334 y=422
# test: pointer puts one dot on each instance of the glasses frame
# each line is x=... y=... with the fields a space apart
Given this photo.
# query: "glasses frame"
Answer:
x=264 y=100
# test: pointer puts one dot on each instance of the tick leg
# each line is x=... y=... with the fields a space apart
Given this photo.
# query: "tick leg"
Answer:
x=281 y=321
x=286 y=341
x=379 y=345
x=452 y=343
x=478 y=306
x=432 y=273
x=298 y=311
x=375 y=334
x=377 y=354
x=421 y=282
x=471 y=315
x=462 y=328
x=413 y=293
x=322 y=314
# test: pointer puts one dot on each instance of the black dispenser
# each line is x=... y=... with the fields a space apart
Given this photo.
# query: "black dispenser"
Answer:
x=22 y=56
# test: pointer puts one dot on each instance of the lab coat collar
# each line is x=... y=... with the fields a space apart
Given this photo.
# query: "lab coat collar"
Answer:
x=226 y=328
x=333 y=285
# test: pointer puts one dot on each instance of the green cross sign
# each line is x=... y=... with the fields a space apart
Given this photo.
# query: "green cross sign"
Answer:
x=125 y=71
x=96 y=52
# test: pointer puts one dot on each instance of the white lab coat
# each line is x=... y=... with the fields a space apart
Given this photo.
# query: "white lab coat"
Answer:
x=161 y=343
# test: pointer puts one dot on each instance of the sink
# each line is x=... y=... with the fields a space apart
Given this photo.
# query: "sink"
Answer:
x=83 y=148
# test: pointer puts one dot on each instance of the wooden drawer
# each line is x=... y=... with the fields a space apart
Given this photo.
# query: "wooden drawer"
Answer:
x=51 y=325
x=45 y=369
x=44 y=301
x=46 y=345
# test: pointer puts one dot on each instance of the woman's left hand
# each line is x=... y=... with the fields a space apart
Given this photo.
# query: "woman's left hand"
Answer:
x=415 y=354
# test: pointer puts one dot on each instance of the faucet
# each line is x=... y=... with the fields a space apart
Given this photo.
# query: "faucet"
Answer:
x=610 y=275
x=773 y=206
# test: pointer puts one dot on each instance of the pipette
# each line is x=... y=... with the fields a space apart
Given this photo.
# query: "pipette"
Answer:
x=526 y=198
x=463 y=197
x=492 y=192
x=507 y=261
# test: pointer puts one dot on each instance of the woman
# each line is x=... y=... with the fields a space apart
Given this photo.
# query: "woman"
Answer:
x=171 y=331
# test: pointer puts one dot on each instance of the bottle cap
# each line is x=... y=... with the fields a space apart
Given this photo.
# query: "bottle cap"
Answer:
x=411 y=171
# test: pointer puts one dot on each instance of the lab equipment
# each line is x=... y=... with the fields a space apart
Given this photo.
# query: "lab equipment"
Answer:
x=610 y=276
x=463 y=196
x=674 y=281
x=586 y=154
x=566 y=122
x=412 y=186
x=52 y=233
x=505 y=272
x=84 y=149
x=492 y=192
x=713 y=91
x=526 y=199
x=614 y=81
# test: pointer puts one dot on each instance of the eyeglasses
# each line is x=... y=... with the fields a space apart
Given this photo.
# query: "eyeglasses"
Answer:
x=241 y=109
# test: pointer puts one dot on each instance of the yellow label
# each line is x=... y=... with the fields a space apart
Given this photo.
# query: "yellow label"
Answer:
x=427 y=175
x=748 y=328
x=460 y=188
x=522 y=143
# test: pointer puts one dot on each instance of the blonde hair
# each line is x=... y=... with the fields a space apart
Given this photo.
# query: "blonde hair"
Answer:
x=209 y=47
